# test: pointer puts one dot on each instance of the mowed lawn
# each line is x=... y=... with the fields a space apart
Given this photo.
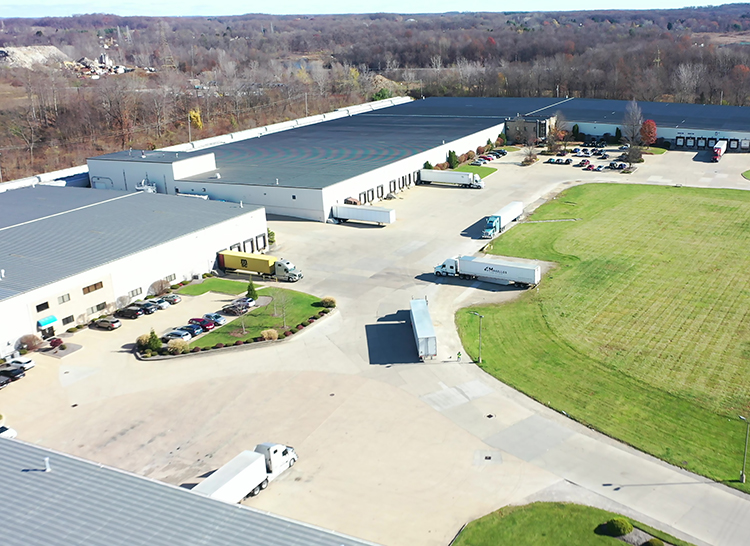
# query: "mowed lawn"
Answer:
x=546 y=524
x=643 y=330
x=294 y=306
x=481 y=171
x=212 y=284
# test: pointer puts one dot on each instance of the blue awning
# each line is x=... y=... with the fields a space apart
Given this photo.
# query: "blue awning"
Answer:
x=46 y=321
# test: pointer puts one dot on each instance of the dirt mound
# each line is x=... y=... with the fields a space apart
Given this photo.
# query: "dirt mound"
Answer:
x=28 y=57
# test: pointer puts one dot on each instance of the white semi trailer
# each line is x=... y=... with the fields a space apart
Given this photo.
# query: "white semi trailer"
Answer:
x=248 y=473
x=424 y=331
x=490 y=270
x=379 y=215
x=457 y=178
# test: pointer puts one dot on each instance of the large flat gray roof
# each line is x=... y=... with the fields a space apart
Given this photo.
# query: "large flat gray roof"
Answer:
x=80 y=502
x=49 y=233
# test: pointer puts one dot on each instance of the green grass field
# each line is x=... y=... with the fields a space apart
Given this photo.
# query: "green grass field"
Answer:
x=746 y=175
x=481 y=171
x=298 y=307
x=642 y=330
x=652 y=150
x=213 y=284
x=546 y=524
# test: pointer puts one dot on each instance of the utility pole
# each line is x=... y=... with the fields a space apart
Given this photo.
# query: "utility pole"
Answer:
x=744 y=460
x=190 y=131
x=480 y=334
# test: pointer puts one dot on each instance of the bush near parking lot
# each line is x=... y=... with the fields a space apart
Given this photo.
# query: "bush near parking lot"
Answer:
x=328 y=302
x=270 y=334
x=637 y=333
x=617 y=527
x=177 y=346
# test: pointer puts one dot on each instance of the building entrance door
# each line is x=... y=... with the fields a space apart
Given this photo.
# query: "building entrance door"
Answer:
x=48 y=332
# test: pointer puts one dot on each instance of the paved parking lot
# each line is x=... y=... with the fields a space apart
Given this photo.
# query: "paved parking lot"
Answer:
x=391 y=450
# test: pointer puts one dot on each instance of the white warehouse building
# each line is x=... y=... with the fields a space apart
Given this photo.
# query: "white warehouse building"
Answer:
x=68 y=255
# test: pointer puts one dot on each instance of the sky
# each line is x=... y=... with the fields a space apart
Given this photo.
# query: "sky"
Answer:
x=41 y=8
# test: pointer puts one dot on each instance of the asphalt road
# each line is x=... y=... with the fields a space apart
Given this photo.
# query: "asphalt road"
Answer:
x=391 y=450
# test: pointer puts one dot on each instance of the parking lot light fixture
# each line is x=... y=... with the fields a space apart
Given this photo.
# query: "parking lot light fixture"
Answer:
x=744 y=459
x=480 y=334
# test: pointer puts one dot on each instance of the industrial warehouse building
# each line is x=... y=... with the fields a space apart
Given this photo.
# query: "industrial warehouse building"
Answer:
x=80 y=502
x=68 y=255
x=303 y=170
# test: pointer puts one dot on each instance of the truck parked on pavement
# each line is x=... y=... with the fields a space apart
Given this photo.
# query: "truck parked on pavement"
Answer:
x=720 y=148
x=266 y=266
x=490 y=270
x=379 y=215
x=500 y=220
x=457 y=178
x=248 y=473
x=424 y=331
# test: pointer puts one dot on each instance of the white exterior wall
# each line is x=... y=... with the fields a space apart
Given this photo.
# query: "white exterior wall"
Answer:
x=668 y=133
x=192 y=254
x=125 y=175
x=297 y=202
x=353 y=187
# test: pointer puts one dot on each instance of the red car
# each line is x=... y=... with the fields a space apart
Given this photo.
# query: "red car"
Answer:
x=589 y=167
x=205 y=324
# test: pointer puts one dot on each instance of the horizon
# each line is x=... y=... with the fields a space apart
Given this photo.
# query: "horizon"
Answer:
x=231 y=8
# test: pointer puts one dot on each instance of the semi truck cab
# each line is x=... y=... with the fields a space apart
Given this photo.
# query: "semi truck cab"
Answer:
x=287 y=271
x=491 y=228
x=278 y=457
x=449 y=268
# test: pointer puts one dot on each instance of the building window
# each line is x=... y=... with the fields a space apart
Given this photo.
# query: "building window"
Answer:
x=136 y=292
x=294 y=197
x=42 y=307
x=95 y=309
x=92 y=287
x=63 y=298
x=68 y=320
x=170 y=278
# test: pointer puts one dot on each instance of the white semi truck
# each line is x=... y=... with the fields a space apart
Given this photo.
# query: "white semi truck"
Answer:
x=424 y=331
x=490 y=270
x=248 y=473
x=719 y=150
x=457 y=178
x=379 y=215
x=500 y=220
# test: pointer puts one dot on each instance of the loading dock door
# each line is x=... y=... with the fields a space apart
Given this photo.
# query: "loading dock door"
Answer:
x=690 y=142
x=680 y=141
x=701 y=143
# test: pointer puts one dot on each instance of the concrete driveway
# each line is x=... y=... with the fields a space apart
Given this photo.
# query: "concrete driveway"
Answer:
x=391 y=450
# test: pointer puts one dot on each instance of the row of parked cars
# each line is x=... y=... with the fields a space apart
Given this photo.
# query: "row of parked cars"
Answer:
x=489 y=156
x=139 y=308
x=14 y=369
x=209 y=321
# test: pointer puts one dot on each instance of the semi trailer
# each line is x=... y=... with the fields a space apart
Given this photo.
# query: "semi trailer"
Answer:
x=248 y=473
x=456 y=178
x=424 y=331
x=500 y=220
x=490 y=270
x=268 y=267
x=720 y=148
x=379 y=215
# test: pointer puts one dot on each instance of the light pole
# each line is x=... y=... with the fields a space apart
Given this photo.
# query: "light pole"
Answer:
x=744 y=459
x=480 y=334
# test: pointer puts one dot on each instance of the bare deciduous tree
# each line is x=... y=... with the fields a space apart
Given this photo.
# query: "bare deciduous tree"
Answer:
x=632 y=123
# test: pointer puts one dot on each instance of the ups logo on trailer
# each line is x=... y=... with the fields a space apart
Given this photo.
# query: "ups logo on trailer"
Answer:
x=243 y=262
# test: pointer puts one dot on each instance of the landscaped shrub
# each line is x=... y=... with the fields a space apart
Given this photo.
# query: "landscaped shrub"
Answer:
x=154 y=343
x=618 y=527
x=325 y=311
x=500 y=140
x=141 y=342
x=174 y=286
x=271 y=236
x=270 y=334
x=219 y=346
x=30 y=342
x=147 y=354
x=288 y=333
x=322 y=313
x=177 y=346
x=55 y=342
x=80 y=326
x=299 y=327
x=72 y=330
x=195 y=350
x=163 y=351
x=328 y=302
x=239 y=342
x=480 y=150
x=260 y=338
x=312 y=319
x=305 y=323
x=654 y=542
x=427 y=165
x=63 y=347
x=23 y=351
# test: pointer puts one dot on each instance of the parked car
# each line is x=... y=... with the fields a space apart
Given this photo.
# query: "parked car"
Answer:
x=604 y=156
x=560 y=162
x=599 y=168
x=7 y=432
x=501 y=152
x=476 y=163
x=148 y=307
x=576 y=150
x=4 y=381
x=23 y=362
x=235 y=310
x=12 y=372
x=250 y=302
x=581 y=163
x=568 y=161
x=562 y=153
x=622 y=166
x=108 y=323
x=172 y=298
x=551 y=160
x=161 y=303
x=130 y=312
x=588 y=167
x=624 y=147
x=184 y=335
x=192 y=329
x=206 y=324
x=216 y=318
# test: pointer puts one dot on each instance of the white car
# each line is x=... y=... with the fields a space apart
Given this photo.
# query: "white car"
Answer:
x=161 y=303
x=6 y=432
x=23 y=362
x=184 y=335
x=215 y=318
x=247 y=302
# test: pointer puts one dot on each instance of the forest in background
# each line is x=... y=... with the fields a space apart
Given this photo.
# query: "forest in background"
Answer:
x=239 y=72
